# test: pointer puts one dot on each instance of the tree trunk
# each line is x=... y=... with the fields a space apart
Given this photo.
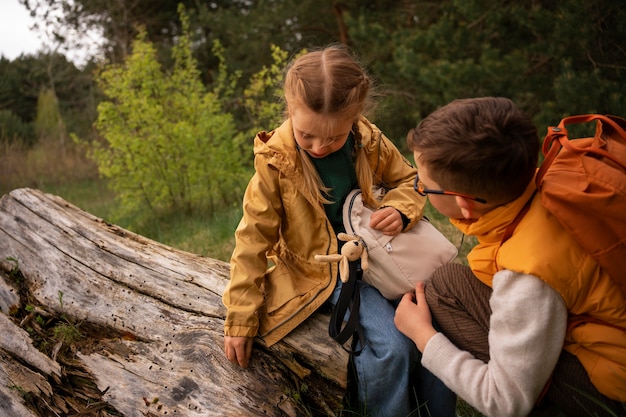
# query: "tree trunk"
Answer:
x=100 y=321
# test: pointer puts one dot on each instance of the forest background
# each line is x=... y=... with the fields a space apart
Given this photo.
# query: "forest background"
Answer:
x=155 y=132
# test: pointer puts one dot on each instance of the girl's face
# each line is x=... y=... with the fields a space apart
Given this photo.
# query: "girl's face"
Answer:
x=316 y=135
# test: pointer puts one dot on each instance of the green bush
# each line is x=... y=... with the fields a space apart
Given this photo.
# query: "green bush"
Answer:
x=169 y=144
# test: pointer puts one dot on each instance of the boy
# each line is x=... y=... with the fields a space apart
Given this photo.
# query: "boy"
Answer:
x=534 y=325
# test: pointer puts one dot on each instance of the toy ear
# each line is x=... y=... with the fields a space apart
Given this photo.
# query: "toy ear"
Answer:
x=328 y=258
x=345 y=237
x=344 y=269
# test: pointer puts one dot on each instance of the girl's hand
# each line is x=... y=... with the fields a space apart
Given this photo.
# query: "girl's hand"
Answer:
x=238 y=350
x=413 y=318
x=388 y=220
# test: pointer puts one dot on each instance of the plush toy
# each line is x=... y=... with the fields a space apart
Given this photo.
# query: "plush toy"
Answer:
x=353 y=249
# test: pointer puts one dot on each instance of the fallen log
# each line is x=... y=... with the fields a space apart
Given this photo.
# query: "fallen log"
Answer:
x=137 y=327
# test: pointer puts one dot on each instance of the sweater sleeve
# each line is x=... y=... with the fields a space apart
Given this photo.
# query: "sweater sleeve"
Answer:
x=527 y=331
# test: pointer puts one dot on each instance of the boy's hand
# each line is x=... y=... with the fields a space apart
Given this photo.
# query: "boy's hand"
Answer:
x=388 y=220
x=414 y=318
x=238 y=350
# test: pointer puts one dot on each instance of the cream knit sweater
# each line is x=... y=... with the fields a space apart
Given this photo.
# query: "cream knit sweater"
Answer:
x=527 y=330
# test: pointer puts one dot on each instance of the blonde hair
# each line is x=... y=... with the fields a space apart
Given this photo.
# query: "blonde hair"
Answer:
x=333 y=84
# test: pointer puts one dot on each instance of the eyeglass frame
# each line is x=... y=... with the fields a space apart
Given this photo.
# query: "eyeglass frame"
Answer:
x=421 y=190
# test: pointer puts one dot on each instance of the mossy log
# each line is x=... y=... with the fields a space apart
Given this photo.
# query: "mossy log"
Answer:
x=97 y=320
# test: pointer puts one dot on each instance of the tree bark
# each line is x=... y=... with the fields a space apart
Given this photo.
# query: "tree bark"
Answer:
x=147 y=321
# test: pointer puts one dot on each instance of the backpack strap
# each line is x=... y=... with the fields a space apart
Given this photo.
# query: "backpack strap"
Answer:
x=557 y=138
x=349 y=299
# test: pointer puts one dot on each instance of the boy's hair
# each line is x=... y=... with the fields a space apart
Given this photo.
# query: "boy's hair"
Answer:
x=485 y=147
x=333 y=84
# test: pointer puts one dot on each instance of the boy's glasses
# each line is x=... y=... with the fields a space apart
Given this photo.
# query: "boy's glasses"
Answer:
x=418 y=186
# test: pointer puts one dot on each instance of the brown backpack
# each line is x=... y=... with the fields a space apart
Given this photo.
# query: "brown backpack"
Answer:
x=582 y=182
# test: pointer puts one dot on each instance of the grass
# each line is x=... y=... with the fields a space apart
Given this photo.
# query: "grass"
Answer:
x=207 y=234
x=47 y=165
x=69 y=174
x=91 y=195
x=463 y=243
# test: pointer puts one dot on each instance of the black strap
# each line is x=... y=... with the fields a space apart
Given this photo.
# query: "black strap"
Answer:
x=349 y=298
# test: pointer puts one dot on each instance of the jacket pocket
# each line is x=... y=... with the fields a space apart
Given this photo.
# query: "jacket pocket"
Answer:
x=285 y=287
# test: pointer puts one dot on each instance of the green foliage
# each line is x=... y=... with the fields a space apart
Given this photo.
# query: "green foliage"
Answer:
x=15 y=272
x=170 y=145
x=225 y=85
x=23 y=79
x=264 y=95
x=553 y=59
x=13 y=130
x=463 y=409
x=21 y=391
x=67 y=333
x=16 y=87
x=49 y=124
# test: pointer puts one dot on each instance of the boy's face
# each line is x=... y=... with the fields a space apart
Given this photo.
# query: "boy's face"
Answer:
x=445 y=204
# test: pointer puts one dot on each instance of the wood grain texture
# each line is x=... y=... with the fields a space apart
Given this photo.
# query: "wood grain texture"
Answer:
x=155 y=324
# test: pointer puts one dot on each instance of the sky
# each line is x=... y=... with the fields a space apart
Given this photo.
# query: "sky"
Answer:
x=17 y=37
x=15 y=34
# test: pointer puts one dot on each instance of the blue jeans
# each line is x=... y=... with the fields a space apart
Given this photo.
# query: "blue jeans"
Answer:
x=391 y=380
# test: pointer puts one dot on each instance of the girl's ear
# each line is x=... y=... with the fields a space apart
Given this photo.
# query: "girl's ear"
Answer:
x=466 y=206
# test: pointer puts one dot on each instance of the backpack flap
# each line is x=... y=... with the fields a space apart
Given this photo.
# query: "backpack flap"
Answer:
x=583 y=184
x=396 y=263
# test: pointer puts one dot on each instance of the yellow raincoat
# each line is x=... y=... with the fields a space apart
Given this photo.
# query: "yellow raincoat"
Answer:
x=283 y=227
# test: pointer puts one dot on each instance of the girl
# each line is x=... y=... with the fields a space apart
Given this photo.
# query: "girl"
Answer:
x=292 y=211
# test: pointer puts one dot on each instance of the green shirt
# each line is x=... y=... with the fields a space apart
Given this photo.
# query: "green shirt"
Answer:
x=338 y=172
